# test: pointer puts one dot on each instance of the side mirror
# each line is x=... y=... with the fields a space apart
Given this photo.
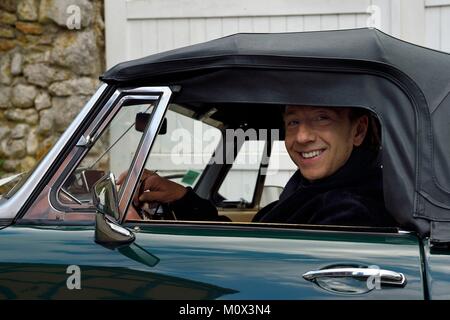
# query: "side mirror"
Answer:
x=107 y=228
x=142 y=120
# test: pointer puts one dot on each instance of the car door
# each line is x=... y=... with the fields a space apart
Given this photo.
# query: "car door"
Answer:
x=207 y=261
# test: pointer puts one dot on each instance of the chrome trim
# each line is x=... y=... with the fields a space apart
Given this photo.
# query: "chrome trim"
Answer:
x=385 y=276
x=96 y=131
x=84 y=142
x=95 y=125
x=147 y=141
x=70 y=196
x=12 y=206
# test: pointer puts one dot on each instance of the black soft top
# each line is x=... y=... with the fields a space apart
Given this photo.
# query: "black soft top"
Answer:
x=407 y=86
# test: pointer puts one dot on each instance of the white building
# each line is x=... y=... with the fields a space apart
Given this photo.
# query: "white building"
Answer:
x=137 y=28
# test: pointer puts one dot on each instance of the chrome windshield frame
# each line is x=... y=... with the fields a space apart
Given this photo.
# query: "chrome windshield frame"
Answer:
x=94 y=132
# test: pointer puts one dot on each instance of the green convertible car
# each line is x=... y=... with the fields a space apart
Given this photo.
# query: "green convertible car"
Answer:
x=66 y=230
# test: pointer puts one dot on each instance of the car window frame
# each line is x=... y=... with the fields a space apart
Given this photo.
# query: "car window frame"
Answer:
x=91 y=137
x=160 y=96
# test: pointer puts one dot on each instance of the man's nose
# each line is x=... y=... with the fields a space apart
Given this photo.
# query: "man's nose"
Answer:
x=305 y=134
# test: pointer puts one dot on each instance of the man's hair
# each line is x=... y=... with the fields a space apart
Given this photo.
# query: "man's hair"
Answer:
x=373 y=135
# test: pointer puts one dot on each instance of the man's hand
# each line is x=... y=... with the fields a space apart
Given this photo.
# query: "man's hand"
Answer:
x=154 y=188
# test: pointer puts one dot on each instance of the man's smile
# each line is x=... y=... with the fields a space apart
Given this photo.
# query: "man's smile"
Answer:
x=311 y=154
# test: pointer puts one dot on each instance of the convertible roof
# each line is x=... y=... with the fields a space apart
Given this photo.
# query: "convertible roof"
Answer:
x=274 y=50
x=407 y=86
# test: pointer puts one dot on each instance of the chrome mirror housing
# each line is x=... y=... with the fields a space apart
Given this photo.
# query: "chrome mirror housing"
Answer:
x=105 y=196
x=107 y=227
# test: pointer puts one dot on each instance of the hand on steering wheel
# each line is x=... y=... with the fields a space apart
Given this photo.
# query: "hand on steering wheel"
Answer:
x=155 y=190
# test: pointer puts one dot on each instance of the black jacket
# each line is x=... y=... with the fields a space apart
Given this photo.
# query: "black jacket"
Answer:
x=352 y=196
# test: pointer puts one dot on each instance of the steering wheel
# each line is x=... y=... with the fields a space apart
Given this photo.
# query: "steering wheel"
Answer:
x=161 y=211
x=164 y=212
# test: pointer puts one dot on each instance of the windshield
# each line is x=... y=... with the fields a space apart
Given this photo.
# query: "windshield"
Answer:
x=9 y=184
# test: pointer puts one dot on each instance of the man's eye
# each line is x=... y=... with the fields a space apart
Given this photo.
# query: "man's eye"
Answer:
x=322 y=118
x=292 y=123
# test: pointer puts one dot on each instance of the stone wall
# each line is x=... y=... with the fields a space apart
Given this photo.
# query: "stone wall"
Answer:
x=50 y=62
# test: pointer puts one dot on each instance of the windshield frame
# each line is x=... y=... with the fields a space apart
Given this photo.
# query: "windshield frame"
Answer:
x=104 y=119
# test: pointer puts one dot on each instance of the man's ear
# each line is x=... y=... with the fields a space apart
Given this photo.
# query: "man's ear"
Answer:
x=360 y=130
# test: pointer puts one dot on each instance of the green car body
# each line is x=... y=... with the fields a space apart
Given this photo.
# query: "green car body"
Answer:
x=211 y=262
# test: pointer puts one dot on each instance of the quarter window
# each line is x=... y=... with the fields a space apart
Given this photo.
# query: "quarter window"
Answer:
x=112 y=152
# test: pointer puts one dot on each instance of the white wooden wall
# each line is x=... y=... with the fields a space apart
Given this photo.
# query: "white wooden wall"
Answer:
x=137 y=28
x=437 y=25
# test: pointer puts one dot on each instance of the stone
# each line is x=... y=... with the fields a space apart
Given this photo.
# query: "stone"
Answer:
x=65 y=110
x=27 y=10
x=14 y=148
x=77 y=51
x=7 y=32
x=72 y=14
x=5 y=70
x=27 y=163
x=29 y=28
x=46 y=122
x=7 y=18
x=4 y=132
x=42 y=101
x=5 y=97
x=16 y=64
x=37 y=57
x=32 y=143
x=45 y=146
x=6 y=45
x=9 y=5
x=29 y=116
x=11 y=166
x=19 y=131
x=42 y=75
x=23 y=96
x=84 y=86
x=31 y=40
x=47 y=38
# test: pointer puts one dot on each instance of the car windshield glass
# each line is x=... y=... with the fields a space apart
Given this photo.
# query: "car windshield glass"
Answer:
x=10 y=184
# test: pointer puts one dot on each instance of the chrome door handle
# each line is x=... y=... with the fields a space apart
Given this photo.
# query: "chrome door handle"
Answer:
x=385 y=276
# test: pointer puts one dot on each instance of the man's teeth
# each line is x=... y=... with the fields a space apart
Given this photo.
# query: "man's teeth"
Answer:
x=311 y=154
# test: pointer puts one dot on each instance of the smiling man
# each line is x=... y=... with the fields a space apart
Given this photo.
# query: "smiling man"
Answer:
x=338 y=181
x=321 y=140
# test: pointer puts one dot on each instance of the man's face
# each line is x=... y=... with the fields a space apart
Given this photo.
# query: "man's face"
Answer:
x=320 y=140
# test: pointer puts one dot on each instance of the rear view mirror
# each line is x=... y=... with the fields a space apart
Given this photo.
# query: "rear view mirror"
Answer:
x=142 y=120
